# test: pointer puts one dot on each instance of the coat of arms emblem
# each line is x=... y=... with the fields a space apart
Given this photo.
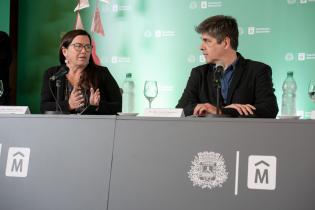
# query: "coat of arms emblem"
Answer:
x=208 y=170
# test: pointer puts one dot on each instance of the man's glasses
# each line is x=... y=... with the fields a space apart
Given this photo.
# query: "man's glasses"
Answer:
x=78 y=47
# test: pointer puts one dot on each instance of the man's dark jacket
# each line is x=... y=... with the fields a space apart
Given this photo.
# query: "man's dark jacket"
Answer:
x=251 y=84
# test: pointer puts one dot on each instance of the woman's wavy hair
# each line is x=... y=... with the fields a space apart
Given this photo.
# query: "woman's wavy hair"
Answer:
x=88 y=76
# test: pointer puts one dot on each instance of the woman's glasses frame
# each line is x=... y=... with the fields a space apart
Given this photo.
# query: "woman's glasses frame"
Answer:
x=79 y=46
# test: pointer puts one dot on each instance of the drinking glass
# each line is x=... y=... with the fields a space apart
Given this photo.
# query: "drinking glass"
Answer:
x=150 y=90
x=1 y=88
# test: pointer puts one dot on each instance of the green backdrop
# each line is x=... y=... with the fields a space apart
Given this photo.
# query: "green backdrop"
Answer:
x=5 y=15
x=156 y=40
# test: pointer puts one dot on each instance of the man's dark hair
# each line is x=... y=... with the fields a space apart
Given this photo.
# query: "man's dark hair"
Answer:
x=219 y=27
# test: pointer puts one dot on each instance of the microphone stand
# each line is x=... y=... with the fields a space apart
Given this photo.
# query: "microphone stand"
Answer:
x=218 y=86
x=63 y=70
x=217 y=75
x=217 y=83
x=57 y=99
x=58 y=85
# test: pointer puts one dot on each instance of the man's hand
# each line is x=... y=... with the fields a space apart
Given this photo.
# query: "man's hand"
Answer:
x=242 y=109
x=203 y=109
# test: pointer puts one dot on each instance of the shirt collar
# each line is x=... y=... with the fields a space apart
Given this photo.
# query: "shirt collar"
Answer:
x=232 y=66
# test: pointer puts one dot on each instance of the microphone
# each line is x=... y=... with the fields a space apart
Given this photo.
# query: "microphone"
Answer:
x=218 y=72
x=62 y=72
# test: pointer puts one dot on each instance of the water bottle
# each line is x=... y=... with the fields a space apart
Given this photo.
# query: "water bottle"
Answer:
x=288 y=97
x=128 y=94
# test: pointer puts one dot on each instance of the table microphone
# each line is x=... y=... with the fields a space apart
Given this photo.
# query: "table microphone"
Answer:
x=62 y=72
x=218 y=72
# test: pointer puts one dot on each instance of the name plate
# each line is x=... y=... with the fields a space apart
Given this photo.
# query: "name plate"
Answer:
x=162 y=112
x=14 y=110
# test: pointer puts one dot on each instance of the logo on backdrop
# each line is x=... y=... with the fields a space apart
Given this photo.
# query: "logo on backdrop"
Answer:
x=117 y=59
x=208 y=170
x=118 y=8
x=289 y=56
x=191 y=59
x=196 y=58
x=240 y=30
x=258 y=30
x=17 y=162
x=300 y=1
x=202 y=59
x=301 y=56
x=209 y=4
x=159 y=33
x=205 y=4
x=306 y=56
x=166 y=88
x=291 y=1
x=262 y=171
x=193 y=5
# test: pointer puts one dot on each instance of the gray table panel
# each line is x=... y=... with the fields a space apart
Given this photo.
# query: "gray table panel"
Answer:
x=69 y=162
x=152 y=157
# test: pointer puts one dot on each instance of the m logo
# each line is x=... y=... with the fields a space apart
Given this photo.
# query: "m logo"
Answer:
x=18 y=161
x=262 y=172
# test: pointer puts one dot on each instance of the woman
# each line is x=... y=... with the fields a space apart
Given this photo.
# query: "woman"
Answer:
x=87 y=88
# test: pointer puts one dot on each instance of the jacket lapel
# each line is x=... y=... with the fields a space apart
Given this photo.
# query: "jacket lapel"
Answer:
x=238 y=72
x=210 y=83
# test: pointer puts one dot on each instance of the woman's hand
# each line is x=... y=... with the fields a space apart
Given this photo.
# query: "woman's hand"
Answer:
x=95 y=97
x=76 y=99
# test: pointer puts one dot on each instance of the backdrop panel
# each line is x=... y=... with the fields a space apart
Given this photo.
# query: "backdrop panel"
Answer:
x=156 y=40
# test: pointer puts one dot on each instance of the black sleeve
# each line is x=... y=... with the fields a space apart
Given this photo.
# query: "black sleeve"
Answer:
x=189 y=99
x=265 y=99
x=48 y=94
x=5 y=61
x=111 y=99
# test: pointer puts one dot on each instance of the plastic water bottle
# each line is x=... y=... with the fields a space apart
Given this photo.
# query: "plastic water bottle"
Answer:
x=289 y=96
x=128 y=94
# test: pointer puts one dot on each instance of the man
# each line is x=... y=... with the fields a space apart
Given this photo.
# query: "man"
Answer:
x=246 y=85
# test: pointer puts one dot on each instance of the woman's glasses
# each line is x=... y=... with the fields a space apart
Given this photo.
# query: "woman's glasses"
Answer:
x=78 y=47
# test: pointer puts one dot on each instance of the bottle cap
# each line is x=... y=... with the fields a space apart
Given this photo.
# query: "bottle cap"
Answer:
x=128 y=75
x=290 y=73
